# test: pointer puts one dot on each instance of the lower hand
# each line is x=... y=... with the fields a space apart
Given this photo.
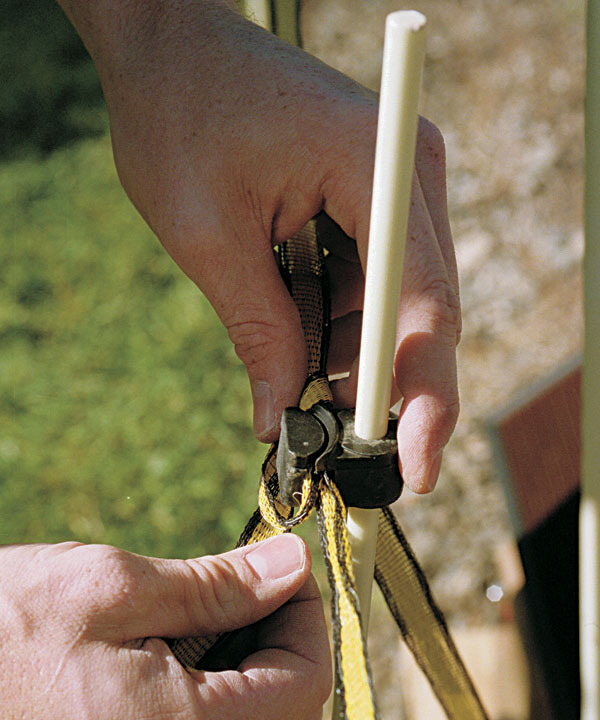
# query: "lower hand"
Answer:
x=80 y=630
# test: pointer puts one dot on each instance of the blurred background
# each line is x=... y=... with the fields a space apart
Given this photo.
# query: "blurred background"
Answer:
x=125 y=416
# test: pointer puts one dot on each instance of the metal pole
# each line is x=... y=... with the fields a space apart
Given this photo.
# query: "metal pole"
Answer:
x=590 y=499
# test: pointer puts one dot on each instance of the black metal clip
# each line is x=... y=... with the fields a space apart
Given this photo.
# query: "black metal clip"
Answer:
x=320 y=439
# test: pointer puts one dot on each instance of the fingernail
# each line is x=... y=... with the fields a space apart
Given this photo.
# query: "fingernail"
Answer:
x=278 y=557
x=434 y=471
x=264 y=408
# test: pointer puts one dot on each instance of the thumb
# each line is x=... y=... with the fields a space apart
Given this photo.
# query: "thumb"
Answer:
x=243 y=284
x=215 y=594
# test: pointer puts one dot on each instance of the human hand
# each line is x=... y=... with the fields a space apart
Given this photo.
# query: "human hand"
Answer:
x=228 y=141
x=80 y=629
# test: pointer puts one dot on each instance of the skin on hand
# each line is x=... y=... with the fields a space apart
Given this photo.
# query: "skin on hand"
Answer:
x=228 y=141
x=80 y=630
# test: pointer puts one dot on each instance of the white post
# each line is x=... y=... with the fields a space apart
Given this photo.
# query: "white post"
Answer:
x=403 y=54
x=590 y=499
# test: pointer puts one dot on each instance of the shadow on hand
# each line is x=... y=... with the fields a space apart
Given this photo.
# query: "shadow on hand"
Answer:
x=229 y=651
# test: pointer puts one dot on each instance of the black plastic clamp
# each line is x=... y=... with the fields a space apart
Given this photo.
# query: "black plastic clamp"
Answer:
x=323 y=440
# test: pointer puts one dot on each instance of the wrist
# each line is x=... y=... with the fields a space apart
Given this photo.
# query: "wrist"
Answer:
x=121 y=33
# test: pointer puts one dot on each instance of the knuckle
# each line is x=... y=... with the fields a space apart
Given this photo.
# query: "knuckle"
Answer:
x=443 y=426
x=251 y=341
x=216 y=592
x=439 y=415
x=442 y=415
x=450 y=409
x=431 y=140
x=254 y=341
x=106 y=579
x=89 y=585
x=445 y=308
x=434 y=424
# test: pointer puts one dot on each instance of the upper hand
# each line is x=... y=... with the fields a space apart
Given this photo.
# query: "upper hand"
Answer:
x=228 y=141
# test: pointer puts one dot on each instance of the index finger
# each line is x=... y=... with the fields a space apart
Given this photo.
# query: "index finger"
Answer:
x=430 y=167
x=291 y=669
x=425 y=362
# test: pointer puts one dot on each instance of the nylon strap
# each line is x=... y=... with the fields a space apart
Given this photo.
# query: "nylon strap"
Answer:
x=397 y=571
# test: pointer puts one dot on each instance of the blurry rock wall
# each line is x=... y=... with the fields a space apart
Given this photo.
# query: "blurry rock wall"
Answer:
x=504 y=81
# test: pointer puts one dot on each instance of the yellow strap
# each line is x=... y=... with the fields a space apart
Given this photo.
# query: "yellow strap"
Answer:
x=421 y=622
x=353 y=686
x=302 y=267
x=397 y=572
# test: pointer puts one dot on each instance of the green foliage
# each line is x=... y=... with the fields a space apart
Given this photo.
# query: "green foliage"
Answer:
x=125 y=416
x=50 y=94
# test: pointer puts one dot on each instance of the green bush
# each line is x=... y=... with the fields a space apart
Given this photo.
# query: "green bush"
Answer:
x=125 y=416
x=50 y=94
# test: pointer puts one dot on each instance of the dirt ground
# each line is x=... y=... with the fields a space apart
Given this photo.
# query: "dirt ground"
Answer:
x=504 y=81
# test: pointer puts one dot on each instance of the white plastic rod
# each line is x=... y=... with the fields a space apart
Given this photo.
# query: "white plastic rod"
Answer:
x=589 y=566
x=403 y=55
